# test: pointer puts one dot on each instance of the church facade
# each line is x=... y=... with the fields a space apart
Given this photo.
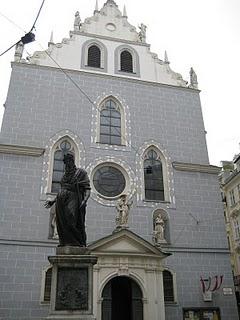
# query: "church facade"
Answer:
x=136 y=127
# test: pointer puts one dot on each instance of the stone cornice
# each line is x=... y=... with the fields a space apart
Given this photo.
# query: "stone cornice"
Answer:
x=21 y=150
x=167 y=249
x=103 y=75
x=193 y=167
x=195 y=250
x=91 y=35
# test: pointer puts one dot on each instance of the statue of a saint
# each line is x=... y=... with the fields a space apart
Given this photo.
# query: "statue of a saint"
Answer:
x=193 y=79
x=53 y=234
x=77 y=22
x=70 y=204
x=142 y=33
x=159 y=227
x=123 y=206
x=18 y=51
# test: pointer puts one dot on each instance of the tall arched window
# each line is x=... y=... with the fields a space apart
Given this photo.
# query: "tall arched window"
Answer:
x=126 y=61
x=110 y=123
x=46 y=285
x=63 y=147
x=94 y=57
x=153 y=176
x=168 y=286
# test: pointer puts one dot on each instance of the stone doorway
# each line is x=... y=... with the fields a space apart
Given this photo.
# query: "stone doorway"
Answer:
x=122 y=300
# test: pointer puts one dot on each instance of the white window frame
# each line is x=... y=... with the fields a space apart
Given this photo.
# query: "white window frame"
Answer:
x=168 y=179
x=48 y=159
x=121 y=165
x=135 y=61
x=103 y=58
x=125 y=123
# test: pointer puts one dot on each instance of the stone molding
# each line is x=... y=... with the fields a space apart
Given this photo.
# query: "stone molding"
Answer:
x=167 y=249
x=21 y=150
x=92 y=73
x=92 y=35
x=193 y=167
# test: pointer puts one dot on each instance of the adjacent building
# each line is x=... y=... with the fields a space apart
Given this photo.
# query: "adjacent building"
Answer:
x=230 y=186
x=136 y=126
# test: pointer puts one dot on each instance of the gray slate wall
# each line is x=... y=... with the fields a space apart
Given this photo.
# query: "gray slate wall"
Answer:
x=40 y=103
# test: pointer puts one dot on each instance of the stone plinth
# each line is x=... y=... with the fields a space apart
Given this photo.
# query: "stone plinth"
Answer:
x=72 y=284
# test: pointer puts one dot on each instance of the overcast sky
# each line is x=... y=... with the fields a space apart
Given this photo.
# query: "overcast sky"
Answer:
x=203 y=34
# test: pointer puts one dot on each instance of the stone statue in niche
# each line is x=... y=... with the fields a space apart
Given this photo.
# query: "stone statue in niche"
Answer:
x=193 y=79
x=159 y=229
x=70 y=204
x=123 y=206
x=142 y=33
x=77 y=22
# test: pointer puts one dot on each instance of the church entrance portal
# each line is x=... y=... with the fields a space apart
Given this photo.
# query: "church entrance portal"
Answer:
x=122 y=300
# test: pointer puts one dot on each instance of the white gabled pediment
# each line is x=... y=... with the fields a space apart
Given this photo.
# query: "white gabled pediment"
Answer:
x=110 y=22
x=126 y=242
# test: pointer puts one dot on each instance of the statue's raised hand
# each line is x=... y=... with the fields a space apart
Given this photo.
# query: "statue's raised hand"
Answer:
x=48 y=204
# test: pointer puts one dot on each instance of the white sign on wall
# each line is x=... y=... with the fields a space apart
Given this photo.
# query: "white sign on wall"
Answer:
x=227 y=291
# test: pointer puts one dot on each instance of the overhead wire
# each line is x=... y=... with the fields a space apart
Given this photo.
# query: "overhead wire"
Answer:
x=29 y=36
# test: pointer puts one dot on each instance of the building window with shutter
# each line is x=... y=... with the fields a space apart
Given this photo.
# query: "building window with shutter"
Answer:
x=168 y=286
x=153 y=176
x=126 y=63
x=94 y=57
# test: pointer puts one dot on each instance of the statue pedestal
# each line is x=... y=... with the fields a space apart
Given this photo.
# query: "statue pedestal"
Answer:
x=72 y=284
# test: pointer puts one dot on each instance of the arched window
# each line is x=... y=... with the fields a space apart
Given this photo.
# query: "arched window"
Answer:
x=94 y=57
x=63 y=147
x=168 y=287
x=126 y=61
x=46 y=285
x=110 y=123
x=153 y=176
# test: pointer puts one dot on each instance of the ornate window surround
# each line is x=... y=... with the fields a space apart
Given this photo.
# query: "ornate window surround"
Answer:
x=167 y=176
x=120 y=110
x=121 y=165
x=125 y=123
x=103 y=59
x=135 y=59
x=48 y=158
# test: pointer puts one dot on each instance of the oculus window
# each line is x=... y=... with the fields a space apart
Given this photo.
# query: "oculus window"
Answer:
x=153 y=176
x=110 y=123
x=126 y=61
x=109 y=181
x=94 y=57
x=58 y=166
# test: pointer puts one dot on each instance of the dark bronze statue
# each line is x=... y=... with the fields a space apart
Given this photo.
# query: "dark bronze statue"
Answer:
x=71 y=203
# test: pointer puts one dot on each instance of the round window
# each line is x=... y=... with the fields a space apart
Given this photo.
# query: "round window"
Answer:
x=109 y=181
